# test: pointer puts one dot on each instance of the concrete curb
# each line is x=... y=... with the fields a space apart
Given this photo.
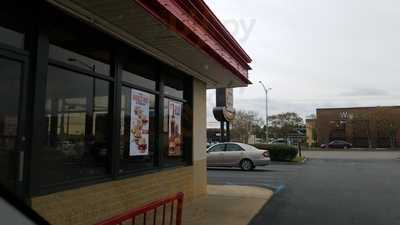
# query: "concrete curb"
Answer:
x=240 y=191
x=290 y=163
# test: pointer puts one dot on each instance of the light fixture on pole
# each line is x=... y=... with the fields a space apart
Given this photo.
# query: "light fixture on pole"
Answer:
x=266 y=109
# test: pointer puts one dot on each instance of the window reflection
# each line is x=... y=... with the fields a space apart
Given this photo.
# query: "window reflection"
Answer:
x=140 y=70
x=79 y=45
x=10 y=77
x=78 y=60
x=77 y=117
x=174 y=92
x=11 y=37
x=174 y=86
x=138 y=80
x=12 y=24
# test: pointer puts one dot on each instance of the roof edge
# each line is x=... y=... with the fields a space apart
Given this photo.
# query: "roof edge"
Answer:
x=191 y=20
x=360 y=107
x=218 y=28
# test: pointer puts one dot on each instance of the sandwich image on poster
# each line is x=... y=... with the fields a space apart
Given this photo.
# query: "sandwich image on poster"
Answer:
x=139 y=136
x=174 y=134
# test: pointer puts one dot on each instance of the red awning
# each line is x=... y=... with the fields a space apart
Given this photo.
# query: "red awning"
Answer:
x=196 y=23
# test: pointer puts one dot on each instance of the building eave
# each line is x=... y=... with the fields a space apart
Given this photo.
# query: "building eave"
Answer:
x=197 y=24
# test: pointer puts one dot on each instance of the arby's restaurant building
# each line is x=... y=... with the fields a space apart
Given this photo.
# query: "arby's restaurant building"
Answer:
x=103 y=102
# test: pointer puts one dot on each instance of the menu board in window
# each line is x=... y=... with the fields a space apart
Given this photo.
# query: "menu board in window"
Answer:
x=139 y=137
x=174 y=124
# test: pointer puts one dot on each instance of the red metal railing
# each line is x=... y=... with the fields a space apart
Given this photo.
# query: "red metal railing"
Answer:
x=167 y=206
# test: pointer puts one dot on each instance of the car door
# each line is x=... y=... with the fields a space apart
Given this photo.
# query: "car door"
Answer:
x=215 y=155
x=333 y=144
x=233 y=154
x=343 y=144
x=339 y=144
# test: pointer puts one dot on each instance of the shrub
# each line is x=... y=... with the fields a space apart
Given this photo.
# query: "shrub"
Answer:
x=279 y=152
x=314 y=145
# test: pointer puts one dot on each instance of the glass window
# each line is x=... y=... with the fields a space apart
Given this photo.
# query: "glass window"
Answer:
x=140 y=70
x=233 y=148
x=174 y=86
x=217 y=148
x=138 y=80
x=138 y=130
x=75 y=59
x=79 y=45
x=12 y=24
x=77 y=115
x=10 y=78
x=11 y=37
x=248 y=147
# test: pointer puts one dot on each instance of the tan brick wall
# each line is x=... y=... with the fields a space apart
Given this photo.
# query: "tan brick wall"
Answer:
x=94 y=203
x=91 y=204
x=199 y=120
x=199 y=178
x=199 y=137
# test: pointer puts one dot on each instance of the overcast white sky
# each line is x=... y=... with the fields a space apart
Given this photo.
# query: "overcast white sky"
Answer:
x=315 y=53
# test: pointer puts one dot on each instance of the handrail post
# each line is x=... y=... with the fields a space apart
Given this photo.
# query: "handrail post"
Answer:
x=179 y=208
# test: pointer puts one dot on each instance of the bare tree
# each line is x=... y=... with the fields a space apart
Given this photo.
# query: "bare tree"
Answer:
x=246 y=123
x=284 y=124
x=387 y=124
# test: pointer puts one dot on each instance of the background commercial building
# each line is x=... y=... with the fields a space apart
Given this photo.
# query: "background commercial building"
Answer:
x=103 y=103
x=311 y=132
x=362 y=126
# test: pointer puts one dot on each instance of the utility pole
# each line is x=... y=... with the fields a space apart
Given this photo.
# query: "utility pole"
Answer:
x=266 y=110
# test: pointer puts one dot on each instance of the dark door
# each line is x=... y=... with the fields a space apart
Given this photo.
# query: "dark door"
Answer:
x=13 y=68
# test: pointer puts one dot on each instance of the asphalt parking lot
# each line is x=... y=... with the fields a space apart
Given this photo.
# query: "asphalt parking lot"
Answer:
x=333 y=188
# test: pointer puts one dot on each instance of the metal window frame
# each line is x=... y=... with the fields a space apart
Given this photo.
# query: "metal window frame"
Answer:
x=79 y=70
x=37 y=61
x=8 y=53
x=155 y=165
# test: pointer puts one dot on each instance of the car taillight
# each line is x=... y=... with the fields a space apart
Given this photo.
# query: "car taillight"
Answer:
x=266 y=154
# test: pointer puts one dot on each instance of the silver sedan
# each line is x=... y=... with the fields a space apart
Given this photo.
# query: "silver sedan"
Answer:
x=234 y=154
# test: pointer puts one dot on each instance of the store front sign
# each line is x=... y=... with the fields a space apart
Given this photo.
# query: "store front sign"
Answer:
x=224 y=110
x=174 y=124
x=346 y=115
x=139 y=137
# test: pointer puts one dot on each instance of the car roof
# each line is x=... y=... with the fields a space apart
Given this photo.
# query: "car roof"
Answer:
x=236 y=143
x=229 y=143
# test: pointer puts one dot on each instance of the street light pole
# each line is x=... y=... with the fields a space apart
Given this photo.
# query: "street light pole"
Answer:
x=266 y=110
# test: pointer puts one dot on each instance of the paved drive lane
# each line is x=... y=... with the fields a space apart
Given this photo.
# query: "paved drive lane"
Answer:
x=360 y=189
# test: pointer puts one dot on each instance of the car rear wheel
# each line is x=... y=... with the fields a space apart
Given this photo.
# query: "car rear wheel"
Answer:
x=346 y=147
x=246 y=165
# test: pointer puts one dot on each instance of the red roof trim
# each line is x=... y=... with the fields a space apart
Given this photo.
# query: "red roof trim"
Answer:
x=191 y=19
x=205 y=17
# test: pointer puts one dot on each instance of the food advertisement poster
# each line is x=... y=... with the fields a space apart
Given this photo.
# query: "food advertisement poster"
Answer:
x=166 y=113
x=174 y=134
x=139 y=138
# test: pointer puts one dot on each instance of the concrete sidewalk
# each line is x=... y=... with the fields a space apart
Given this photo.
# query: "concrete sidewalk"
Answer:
x=226 y=204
